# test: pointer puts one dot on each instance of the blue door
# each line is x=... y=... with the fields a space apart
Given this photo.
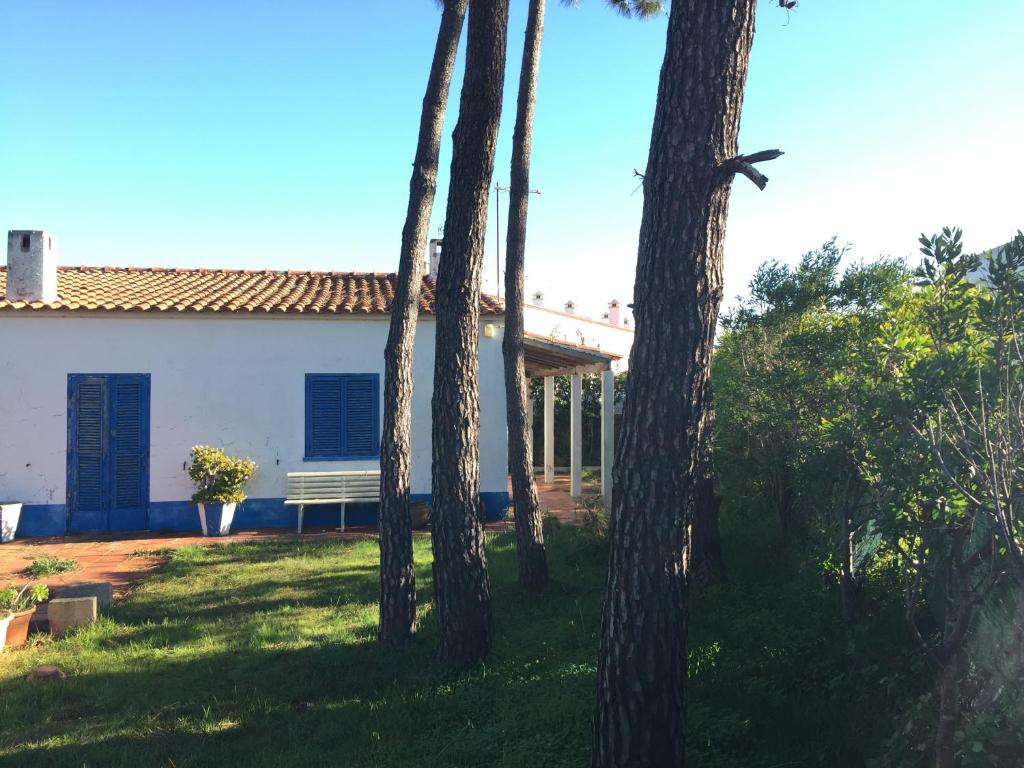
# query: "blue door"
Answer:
x=108 y=452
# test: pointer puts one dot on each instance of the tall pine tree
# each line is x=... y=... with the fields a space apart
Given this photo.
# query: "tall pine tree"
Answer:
x=461 y=587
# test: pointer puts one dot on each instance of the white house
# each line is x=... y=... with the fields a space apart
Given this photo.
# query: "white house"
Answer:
x=611 y=333
x=607 y=342
x=108 y=376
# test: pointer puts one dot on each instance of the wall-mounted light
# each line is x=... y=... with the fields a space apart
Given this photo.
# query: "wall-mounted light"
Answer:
x=489 y=330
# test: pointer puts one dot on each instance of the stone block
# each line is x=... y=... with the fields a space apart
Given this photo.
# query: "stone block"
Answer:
x=103 y=591
x=67 y=613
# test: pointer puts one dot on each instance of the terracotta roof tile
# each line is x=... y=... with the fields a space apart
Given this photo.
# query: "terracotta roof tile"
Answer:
x=140 y=289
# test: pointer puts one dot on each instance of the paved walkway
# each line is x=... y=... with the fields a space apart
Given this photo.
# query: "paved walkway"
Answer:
x=125 y=559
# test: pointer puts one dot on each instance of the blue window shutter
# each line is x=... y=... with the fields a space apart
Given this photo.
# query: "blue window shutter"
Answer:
x=342 y=415
x=323 y=415
x=361 y=423
x=130 y=443
x=89 y=413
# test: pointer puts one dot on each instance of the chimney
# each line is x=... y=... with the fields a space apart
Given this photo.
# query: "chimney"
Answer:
x=538 y=299
x=570 y=307
x=31 y=266
x=613 y=312
x=435 y=256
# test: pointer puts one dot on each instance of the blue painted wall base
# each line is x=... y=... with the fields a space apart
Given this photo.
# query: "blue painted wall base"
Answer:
x=183 y=516
x=42 y=520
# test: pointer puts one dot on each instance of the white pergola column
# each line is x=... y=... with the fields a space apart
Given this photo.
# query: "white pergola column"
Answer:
x=607 y=435
x=549 y=429
x=529 y=414
x=576 y=435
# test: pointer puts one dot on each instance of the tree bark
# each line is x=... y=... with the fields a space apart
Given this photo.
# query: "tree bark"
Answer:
x=533 y=565
x=949 y=711
x=397 y=572
x=846 y=584
x=461 y=587
x=706 y=565
x=641 y=668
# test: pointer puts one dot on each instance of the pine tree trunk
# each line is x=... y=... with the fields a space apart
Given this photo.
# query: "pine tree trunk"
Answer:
x=641 y=668
x=397 y=573
x=706 y=564
x=533 y=565
x=461 y=587
x=949 y=711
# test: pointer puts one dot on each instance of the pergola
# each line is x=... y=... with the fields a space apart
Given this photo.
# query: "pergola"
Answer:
x=547 y=357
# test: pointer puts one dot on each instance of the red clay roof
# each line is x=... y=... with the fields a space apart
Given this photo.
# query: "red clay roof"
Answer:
x=227 y=290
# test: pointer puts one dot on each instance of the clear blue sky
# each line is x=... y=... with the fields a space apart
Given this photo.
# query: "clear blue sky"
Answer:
x=273 y=134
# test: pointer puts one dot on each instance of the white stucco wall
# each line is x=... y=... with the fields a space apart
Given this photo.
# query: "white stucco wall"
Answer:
x=230 y=381
x=580 y=330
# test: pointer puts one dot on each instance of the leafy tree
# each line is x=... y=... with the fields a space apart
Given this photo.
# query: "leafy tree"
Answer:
x=462 y=588
x=948 y=370
x=880 y=419
x=982 y=432
x=792 y=423
x=397 y=573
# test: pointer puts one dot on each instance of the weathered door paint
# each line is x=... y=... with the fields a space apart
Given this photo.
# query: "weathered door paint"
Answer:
x=108 y=452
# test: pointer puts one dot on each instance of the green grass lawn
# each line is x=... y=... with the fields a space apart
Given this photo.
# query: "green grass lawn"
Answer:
x=263 y=654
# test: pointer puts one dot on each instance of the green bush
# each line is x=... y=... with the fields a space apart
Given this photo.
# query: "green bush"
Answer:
x=49 y=565
x=219 y=478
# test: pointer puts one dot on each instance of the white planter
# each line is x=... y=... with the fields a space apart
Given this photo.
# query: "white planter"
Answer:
x=3 y=630
x=10 y=512
x=216 y=518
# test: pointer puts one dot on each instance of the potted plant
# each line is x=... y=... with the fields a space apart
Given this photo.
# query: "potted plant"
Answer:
x=19 y=605
x=220 y=486
x=10 y=512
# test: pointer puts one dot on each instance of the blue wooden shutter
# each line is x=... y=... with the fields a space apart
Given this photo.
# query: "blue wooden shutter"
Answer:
x=342 y=415
x=361 y=418
x=130 y=441
x=323 y=416
x=89 y=401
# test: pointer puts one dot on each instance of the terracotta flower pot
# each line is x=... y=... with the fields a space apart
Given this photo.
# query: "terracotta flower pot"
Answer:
x=17 y=629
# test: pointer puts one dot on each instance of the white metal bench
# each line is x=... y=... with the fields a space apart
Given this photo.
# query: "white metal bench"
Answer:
x=343 y=487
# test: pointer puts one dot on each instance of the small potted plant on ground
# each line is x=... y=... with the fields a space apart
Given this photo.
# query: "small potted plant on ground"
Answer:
x=17 y=607
x=220 y=486
x=10 y=512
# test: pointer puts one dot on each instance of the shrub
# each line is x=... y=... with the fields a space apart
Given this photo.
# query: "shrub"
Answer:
x=49 y=565
x=219 y=478
x=595 y=517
